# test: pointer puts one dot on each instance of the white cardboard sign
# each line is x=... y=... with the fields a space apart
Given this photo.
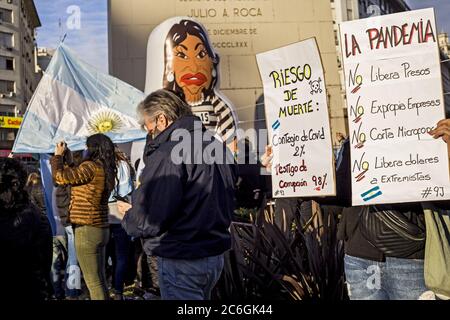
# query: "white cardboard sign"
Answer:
x=394 y=98
x=298 y=121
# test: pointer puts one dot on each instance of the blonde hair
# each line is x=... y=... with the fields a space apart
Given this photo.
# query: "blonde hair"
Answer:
x=33 y=178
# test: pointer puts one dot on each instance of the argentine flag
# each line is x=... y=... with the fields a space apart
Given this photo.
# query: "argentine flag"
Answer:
x=73 y=101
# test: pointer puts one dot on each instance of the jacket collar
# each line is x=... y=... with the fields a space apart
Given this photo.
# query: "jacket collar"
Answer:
x=186 y=122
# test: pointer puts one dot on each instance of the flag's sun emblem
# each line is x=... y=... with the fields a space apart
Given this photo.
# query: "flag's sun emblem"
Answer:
x=104 y=121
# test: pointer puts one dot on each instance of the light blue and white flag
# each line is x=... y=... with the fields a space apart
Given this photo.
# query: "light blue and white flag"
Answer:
x=73 y=101
x=49 y=196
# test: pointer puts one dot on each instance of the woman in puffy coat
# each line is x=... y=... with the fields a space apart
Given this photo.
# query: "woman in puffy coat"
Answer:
x=91 y=185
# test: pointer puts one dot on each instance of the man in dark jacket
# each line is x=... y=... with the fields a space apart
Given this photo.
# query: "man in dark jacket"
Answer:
x=184 y=204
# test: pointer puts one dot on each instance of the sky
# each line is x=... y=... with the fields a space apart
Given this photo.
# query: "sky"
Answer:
x=84 y=22
x=442 y=11
x=87 y=32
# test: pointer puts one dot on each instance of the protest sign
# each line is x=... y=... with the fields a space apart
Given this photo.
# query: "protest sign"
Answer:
x=298 y=121
x=394 y=98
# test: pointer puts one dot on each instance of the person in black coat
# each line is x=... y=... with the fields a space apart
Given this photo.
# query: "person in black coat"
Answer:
x=25 y=238
x=184 y=204
x=375 y=252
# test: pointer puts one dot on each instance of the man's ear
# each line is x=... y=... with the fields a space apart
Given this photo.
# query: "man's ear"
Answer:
x=162 y=121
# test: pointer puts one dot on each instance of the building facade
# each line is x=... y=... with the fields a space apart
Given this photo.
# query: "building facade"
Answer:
x=19 y=74
x=250 y=27
x=368 y=8
x=44 y=56
x=253 y=27
x=444 y=45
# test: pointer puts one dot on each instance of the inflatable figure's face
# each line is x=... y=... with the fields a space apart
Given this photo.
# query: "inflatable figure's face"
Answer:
x=181 y=58
x=192 y=67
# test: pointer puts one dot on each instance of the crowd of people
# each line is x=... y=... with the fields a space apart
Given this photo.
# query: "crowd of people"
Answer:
x=178 y=216
x=385 y=245
x=168 y=229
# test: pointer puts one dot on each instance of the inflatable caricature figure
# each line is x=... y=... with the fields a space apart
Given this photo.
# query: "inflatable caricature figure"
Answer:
x=180 y=58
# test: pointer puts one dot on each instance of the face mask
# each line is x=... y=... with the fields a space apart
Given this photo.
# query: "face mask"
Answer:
x=156 y=132
x=149 y=139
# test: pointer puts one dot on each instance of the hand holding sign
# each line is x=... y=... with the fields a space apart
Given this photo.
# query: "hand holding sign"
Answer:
x=442 y=130
x=266 y=159
x=60 y=148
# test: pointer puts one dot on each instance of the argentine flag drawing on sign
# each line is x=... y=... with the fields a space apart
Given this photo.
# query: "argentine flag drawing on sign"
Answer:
x=73 y=101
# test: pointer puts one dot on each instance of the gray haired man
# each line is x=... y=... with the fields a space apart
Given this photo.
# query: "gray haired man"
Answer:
x=183 y=206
